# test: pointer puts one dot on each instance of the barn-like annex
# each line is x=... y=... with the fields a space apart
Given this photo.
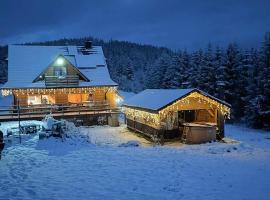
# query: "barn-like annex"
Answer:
x=189 y=114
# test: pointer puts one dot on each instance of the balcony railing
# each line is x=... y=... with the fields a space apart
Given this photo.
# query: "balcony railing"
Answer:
x=61 y=81
x=69 y=109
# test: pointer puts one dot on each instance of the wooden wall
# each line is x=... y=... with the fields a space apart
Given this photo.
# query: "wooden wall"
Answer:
x=61 y=99
x=111 y=98
x=206 y=116
x=75 y=98
x=22 y=100
x=194 y=104
x=157 y=135
x=99 y=95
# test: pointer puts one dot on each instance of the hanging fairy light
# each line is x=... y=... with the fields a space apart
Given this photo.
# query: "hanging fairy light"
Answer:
x=151 y=119
x=154 y=119
x=44 y=91
x=199 y=99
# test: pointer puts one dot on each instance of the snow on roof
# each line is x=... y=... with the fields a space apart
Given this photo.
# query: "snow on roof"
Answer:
x=156 y=99
x=27 y=62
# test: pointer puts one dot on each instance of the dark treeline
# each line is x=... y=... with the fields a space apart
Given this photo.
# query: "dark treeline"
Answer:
x=3 y=64
x=239 y=76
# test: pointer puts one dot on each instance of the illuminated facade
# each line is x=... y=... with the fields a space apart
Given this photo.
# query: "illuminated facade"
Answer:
x=63 y=76
x=168 y=111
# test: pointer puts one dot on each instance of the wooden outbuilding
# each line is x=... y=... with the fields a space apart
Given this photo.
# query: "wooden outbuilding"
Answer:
x=188 y=114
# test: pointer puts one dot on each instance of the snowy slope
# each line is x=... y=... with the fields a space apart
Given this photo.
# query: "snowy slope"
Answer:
x=52 y=169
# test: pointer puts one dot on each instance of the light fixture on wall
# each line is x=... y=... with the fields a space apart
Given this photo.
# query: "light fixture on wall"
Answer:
x=60 y=61
x=118 y=100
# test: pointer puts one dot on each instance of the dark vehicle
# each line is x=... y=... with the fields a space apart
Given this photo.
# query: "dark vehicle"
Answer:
x=2 y=144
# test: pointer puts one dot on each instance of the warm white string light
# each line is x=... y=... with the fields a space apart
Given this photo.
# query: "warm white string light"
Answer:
x=151 y=119
x=200 y=99
x=40 y=91
x=154 y=119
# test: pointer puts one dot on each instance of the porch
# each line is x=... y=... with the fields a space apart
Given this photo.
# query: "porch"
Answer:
x=63 y=111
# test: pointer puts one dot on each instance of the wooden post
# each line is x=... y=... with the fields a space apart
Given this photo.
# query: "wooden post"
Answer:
x=19 y=119
x=220 y=123
x=62 y=109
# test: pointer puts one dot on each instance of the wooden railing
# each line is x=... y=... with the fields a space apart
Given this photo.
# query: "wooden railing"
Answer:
x=65 y=81
x=57 y=110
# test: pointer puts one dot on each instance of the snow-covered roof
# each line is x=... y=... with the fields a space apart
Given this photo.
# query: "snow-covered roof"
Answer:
x=26 y=62
x=157 y=99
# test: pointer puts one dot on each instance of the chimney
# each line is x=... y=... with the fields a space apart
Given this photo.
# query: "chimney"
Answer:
x=88 y=44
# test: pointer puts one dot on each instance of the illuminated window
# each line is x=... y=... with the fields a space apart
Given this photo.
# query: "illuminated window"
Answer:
x=60 y=71
x=40 y=99
x=34 y=100
x=44 y=99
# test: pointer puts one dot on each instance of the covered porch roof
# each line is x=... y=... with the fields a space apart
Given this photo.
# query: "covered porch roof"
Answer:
x=162 y=100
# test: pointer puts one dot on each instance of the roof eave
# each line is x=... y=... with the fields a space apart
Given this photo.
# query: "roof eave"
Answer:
x=172 y=102
x=141 y=108
x=12 y=88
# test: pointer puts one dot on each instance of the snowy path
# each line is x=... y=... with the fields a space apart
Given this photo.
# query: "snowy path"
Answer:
x=56 y=170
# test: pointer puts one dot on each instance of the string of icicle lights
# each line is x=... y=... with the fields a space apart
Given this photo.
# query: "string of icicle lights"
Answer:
x=154 y=119
x=40 y=91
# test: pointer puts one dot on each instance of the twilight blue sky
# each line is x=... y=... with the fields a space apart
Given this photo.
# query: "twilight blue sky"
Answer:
x=176 y=24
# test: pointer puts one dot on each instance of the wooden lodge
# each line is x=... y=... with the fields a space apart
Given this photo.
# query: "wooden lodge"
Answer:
x=66 y=81
x=187 y=114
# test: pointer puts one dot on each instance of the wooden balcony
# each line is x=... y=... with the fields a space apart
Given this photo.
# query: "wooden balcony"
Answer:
x=38 y=112
x=64 y=81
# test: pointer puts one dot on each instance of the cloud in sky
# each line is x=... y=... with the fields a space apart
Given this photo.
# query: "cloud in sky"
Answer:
x=172 y=23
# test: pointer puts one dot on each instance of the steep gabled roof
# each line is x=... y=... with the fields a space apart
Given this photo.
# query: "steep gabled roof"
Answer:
x=26 y=62
x=79 y=73
x=157 y=99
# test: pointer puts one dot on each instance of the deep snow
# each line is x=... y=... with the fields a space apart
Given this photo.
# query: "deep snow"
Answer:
x=76 y=169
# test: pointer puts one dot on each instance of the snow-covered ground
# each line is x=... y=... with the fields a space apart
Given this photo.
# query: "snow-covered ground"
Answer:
x=108 y=136
x=104 y=169
x=103 y=163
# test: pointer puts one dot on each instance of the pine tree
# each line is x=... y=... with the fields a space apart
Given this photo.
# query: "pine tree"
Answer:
x=219 y=63
x=207 y=80
x=232 y=62
x=264 y=76
x=210 y=79
x=252 y=99
x=240 y=91
x=172 y=74
x=196 y=63
x=184 y=67
x=157 y=71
